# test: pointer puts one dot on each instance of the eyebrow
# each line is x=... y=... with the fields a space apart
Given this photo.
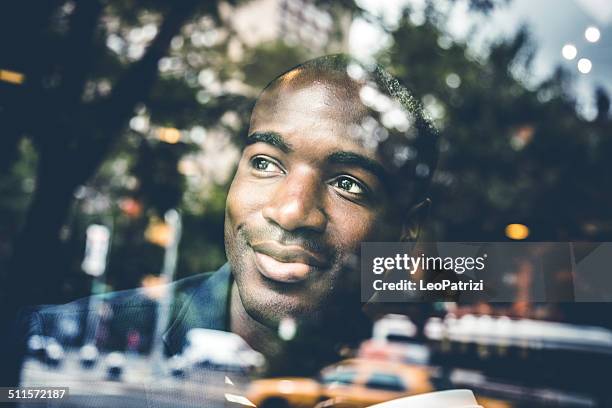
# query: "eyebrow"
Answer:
x=339 y=157
x=271 y=138
x=358 y=160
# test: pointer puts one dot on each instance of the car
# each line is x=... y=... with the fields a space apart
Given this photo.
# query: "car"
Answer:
x=115 y=365
x=408 y=352
x=88 y=355
x=394 y=327
x=177 y=366
x=295 y=392
x=46 y=349
x=36 y=346
x=219 y=350
x=54 y=354
x=393 y=339
x=355 y=382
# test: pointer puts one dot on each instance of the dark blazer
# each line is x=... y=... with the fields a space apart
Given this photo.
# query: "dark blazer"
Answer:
x=200 y=301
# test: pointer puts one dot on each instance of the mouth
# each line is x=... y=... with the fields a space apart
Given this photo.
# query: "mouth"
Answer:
x=286 y=264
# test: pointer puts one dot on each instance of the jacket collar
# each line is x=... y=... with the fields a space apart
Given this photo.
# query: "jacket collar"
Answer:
x=207 y=306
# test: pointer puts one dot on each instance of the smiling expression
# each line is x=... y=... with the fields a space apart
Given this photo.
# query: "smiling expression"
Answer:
x=305 y=195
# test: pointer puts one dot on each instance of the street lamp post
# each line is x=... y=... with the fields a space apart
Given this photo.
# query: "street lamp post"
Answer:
x=94 y=264
x=173 y=220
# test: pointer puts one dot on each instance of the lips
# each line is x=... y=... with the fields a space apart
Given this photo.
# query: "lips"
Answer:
x=287 y=264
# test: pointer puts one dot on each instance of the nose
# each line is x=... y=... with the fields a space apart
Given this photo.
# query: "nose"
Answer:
x=297 y=203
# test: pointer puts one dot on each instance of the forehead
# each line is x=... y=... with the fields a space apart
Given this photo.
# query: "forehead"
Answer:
x=316 y=114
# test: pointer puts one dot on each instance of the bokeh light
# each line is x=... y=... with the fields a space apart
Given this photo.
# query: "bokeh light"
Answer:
x=517 y=231
x=569 y=51
x=287 y=329
x=169 y=135
x=585 y=65
x=11 y=76
x=153 y=286
x=159 y=233
x=453 y=81
x=592 y=34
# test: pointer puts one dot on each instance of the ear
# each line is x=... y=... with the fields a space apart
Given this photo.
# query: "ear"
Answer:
x=414 y=220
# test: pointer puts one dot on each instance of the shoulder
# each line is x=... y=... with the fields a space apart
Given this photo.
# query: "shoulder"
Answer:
x=133 y=305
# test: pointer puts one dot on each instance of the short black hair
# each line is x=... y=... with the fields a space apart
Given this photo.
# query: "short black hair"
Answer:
x=411 y=147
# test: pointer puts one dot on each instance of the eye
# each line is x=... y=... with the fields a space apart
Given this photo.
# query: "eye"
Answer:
x=265 y=165
x=349 y=185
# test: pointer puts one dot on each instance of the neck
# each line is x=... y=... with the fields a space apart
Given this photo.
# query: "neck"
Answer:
x=314 y=348
x=257 y=335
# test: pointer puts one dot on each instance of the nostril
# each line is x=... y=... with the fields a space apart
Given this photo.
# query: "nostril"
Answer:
x=294 y=214
x=296 y=203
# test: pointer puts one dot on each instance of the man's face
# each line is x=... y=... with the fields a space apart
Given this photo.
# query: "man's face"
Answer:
x=305 y=195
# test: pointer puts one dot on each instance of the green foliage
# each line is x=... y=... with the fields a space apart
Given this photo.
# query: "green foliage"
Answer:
x=267 y=61
x=16 y=186
x=510 y=153
x=161 y=185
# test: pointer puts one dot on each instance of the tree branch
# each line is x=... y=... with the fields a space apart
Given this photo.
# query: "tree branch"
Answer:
x=132 y=88
x=79 y=42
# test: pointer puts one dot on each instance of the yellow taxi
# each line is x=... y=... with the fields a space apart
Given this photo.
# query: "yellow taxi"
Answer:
x=350 y=383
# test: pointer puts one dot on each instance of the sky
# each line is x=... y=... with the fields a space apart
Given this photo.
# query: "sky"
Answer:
x=552 y=24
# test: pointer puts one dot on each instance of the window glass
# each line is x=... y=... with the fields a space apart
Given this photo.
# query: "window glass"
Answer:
x=385 y=381
x=339 y=377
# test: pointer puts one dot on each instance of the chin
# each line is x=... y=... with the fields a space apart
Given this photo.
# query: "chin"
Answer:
x=269 y=305
x=268 y=301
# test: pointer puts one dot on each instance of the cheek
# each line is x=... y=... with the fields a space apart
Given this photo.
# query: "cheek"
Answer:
x=243 y=199
x=353 y=226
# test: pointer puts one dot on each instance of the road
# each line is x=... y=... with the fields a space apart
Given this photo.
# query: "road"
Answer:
x=138 y=387
x=91 y=388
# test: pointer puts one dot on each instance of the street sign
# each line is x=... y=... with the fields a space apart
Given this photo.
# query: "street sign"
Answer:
x=96 y=249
